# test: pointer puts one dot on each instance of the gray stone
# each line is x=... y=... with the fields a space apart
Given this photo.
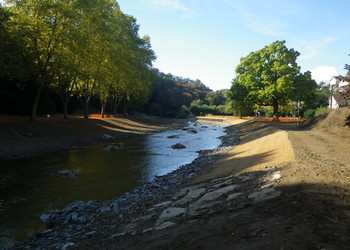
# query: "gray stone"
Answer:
x=192 y=131
x=105 y=209
x=45 y=217
x=113 y=147
x=67 y=245
x=107 y=137
x=68 y=173
x=163 y=204
x=208 y=197
x=178 y=146
x=265 y=194
x=233 y=196
x=73 y=206
x=276 y=176
x=183 y=191
x=148 y=230
x=165 y=225
x=201 y=206
x=171 y=213
x=192 y=195
x=268 y=184
x=172 y=136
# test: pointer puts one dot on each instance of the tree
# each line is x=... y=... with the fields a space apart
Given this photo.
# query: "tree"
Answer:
x=237 y=98
x=304 y=88
x=36 y=25
x=269 y=75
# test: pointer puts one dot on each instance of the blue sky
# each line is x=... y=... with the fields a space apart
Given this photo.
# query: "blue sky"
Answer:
x=205 y=39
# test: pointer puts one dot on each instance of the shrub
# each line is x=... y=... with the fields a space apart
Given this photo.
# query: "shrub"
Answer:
x=183 y=112
x=320 y=111
x=309 y=113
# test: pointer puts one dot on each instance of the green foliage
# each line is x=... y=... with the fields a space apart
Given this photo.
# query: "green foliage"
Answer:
x=172 y=92
x=323 y=93
x=75 y=48
x=321 y=110
x=183 y=113
x=272 y=77
x=309 y=113
x=238 y=101
x=209 y=110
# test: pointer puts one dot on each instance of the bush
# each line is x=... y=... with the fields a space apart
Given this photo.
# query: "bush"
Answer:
x=183 y=112
x=309 y=113
x=268 y=113
x=320 y=111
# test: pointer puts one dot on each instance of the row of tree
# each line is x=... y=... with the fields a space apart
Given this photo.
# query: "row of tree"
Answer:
x=83 y=48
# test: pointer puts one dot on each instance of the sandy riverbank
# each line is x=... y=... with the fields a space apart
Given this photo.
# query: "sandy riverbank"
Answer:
x=280 y=188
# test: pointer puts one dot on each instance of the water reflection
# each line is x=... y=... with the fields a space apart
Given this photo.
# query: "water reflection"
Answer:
x=29 y=188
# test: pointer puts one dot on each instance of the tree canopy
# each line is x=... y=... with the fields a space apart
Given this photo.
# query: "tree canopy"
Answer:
x=272 y=77
x=75 y=47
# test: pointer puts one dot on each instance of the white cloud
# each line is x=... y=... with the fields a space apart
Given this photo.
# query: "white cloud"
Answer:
x=324 y=73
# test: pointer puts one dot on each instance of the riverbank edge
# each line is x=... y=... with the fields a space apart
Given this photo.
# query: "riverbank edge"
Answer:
x=80 y=218
x=25 y=138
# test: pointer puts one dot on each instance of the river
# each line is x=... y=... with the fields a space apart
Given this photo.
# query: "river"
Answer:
x=29 y=187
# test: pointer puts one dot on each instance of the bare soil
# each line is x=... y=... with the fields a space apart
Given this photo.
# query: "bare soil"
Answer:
x=313 y=211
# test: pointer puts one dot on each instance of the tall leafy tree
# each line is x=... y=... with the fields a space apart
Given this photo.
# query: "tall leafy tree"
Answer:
x=269 y=74
x=37 y=26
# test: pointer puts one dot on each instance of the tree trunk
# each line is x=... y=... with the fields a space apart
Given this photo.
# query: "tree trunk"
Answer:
x=85 y=105
x=103 y=108
x=240 y=114
x=115 y=108
x=36 y=102
x=65 y=101
x=275 y=108
x=126 y=108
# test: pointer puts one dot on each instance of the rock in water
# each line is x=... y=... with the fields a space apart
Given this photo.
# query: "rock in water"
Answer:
x=192 y=131
x=68 y=173
x=178 y=146
x=113 y=146
x=172 y=136
x=108 y=138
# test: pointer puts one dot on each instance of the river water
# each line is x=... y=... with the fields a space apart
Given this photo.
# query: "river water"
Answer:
x=29 y=188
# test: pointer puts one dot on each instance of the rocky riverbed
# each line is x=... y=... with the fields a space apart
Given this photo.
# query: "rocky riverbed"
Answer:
x=278 y=188
x=133 y=212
